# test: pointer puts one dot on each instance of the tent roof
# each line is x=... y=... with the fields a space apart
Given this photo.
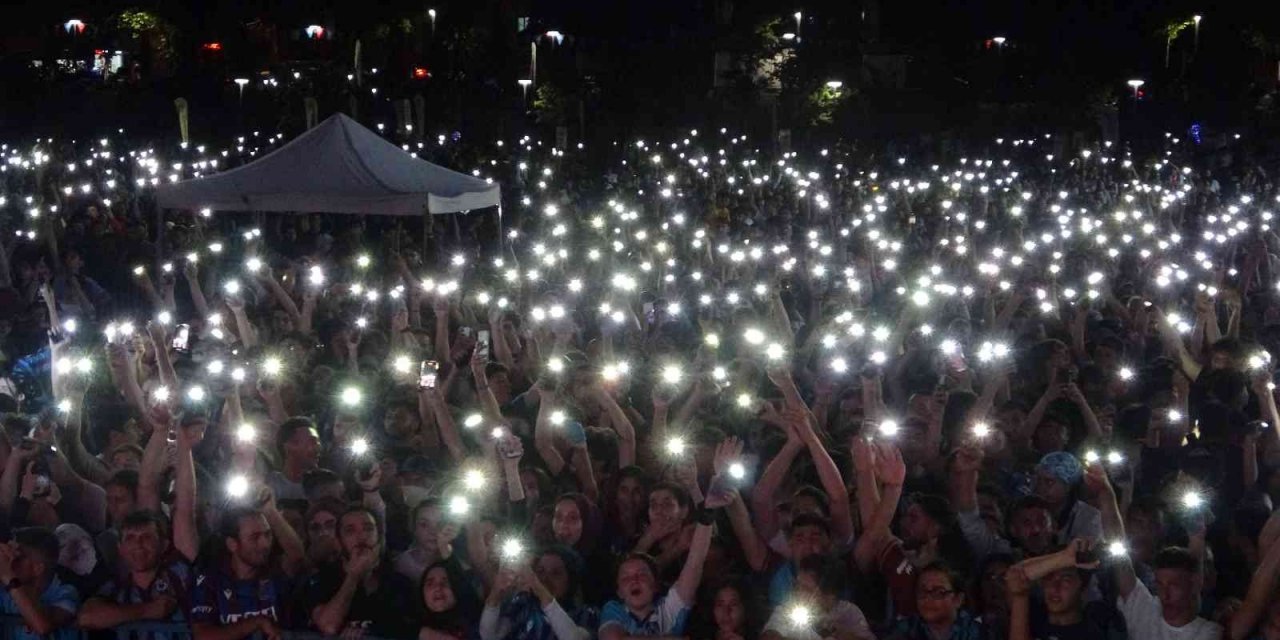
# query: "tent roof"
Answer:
x=336 y=167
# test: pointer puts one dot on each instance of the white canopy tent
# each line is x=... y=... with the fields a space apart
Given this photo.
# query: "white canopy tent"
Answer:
x=336 y=167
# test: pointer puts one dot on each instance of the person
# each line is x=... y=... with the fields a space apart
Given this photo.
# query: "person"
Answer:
x=540 y=600
x=1057 y=482
x=156 y=584
x=447 y=605
x=1061 y=611
x=299 y=445
x=240 y=591
x=432 y=540
x=639 y=610
x=361 y=593
x=729 y=612
x=820 y=581
x=1174 y=615
x=32 y=589
x=940 y=612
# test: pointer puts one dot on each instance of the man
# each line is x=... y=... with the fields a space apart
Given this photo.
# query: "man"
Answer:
x=1030 y=520
x=1057 y=482
x=1060 y=611
x=299 y=444
x=810 y=535
x=1179 y=579
x=122 y=499
x=155 y=583
x=322 y=532
x=241 y=593
x=360 y=594
x=32 y=590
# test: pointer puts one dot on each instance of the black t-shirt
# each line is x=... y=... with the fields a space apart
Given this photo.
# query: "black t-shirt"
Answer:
x=383 y=612
x=1099 y=622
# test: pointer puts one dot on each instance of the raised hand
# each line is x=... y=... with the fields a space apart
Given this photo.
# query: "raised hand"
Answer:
x=727 y=452
x=890 y=468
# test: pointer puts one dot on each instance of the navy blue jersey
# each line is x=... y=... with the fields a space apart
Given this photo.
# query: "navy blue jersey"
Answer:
x=217 y=597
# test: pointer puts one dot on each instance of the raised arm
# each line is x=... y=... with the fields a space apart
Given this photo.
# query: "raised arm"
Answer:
x=186 y=536
x=433 y=402
x=828 y=474
x=1262 y=588
x=762 y=495
x=892 y=471
x=686 y=585
x=1096 y=480
x=543 y=439
x=190 y=271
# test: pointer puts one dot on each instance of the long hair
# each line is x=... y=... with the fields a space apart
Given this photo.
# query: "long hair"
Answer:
x=466 y=604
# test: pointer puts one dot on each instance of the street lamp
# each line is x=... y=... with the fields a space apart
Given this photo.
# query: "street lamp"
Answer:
x=1196 y=44
x=835 y=85
x=1136 y=84
x=431 y=13
x=999 y=40
x=524 y=88
x=556 y=36
x=798 y=16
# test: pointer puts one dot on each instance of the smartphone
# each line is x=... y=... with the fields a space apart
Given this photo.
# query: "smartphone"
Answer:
x=467 y=331
x=483 y=344
x=574 y=433
x=427 y=374
x=648 y=313
x=181 y=337
x=1086 y=557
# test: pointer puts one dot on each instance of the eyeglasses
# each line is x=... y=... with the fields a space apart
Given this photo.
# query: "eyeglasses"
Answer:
x=937 y=594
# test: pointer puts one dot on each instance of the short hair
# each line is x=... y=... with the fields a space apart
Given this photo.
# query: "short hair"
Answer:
x=829 y=571
x=1176 y=558
x=290 y=427
x=647 y=559
x=681 y=494
x=494 y=368
x=365 y=510
x=323 y=505
x=1230 y=346
x=142 y=517
x=1026 y=503
x=954 y=577
x=810 y=491
x=229 y=525
x=315 y=478
x=126 y=478
x=40 y=541
x=809 y=520
x=125 y=448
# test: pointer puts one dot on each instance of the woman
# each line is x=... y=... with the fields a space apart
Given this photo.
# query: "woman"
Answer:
x=576 y=523
x=625 y=514
x=540 y=602
x=430 y=537
x=728 y=612
x=448 y=605
x=939 y=609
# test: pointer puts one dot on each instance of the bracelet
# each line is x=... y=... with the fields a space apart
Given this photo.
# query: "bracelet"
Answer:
x=705 y=516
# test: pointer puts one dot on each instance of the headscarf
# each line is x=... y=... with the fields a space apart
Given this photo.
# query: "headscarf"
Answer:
x=1063 y=466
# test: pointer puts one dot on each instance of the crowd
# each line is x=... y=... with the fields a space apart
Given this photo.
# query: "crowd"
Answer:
x=698 y=390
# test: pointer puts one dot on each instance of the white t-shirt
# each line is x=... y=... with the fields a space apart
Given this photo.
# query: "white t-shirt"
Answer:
x=1142 y=616
x=845 y=616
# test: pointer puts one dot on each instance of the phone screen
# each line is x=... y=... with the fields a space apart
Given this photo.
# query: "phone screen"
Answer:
x=181 y=335
x=427 y=374
x=483 y=344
